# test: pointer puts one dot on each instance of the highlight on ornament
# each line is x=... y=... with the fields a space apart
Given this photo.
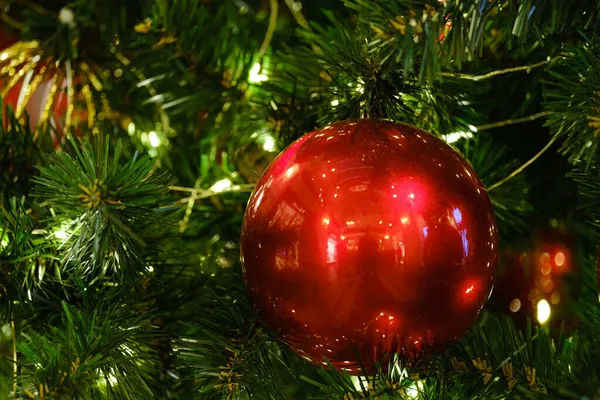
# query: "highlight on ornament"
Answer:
x=369 y=237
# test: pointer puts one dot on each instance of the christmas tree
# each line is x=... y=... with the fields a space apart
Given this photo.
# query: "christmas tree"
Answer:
x=134 y=134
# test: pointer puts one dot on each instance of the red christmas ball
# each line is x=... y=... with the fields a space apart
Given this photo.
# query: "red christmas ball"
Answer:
x=365 y=238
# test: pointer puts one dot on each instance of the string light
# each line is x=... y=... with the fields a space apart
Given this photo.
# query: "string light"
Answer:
x=61 y=234
x=335 y=102
x=3 y=241
x=515 y=305
x=413 y=390
x=269 y=143
x=255 y=76
x=455 y=136
x=153 y=139
x=64 y=232
x=131 y=129
x=221 y=185
x=543 y=311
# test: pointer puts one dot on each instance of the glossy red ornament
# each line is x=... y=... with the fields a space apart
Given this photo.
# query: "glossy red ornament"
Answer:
x=369 y=237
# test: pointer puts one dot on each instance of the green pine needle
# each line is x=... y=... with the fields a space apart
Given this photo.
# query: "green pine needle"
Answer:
x=106 y=211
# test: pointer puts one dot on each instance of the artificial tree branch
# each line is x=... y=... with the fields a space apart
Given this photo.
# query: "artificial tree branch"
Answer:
x=270 y=29
x=522 y=167
x=492 y=74
x=513 y=121
x=297 y=14
x=204 y=193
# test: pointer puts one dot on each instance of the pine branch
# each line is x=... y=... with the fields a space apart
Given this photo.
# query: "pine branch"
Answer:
x=572 y=94
x=492 y=162
x=226 y=351
x=107 y=211
x=18 y=155
x=99 y=352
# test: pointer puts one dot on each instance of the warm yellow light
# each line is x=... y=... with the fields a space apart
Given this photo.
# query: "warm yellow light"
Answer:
x=3 y=242
x=61 y=234
x=131 y=129
x=412 y=392
x=515 y=305
x=335 y=102
x=255 y=76
x=455 y=136
x=269 y=144
x=153 y=139
x=559 y=259
x=543 y=311
x=221 y=185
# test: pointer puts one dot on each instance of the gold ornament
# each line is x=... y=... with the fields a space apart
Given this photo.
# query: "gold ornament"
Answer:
x=26 y=62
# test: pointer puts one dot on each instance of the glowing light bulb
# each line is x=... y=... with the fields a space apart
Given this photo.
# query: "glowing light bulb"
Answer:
x=3 y=241
x=543 y=311
x=269 y=144
x=153 y=139
x=61 y=234
x=455 y=136
x=515 y=305
x=221 y=185
x=131 y=129
x=335 y=102
x=559 y=259
x=412 y=392
x=255 y=76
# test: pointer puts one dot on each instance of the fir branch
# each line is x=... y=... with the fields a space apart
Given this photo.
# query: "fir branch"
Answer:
x=512 y=121
x=492 y=162
x=227 y=352
x=274 y=4
x=526 y=68
x=100 y=352
x=525 y=165
x=18 y=155
x=109 y=209
x=572 y=94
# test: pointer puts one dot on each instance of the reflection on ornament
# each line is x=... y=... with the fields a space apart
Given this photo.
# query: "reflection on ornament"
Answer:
x=543 y=311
